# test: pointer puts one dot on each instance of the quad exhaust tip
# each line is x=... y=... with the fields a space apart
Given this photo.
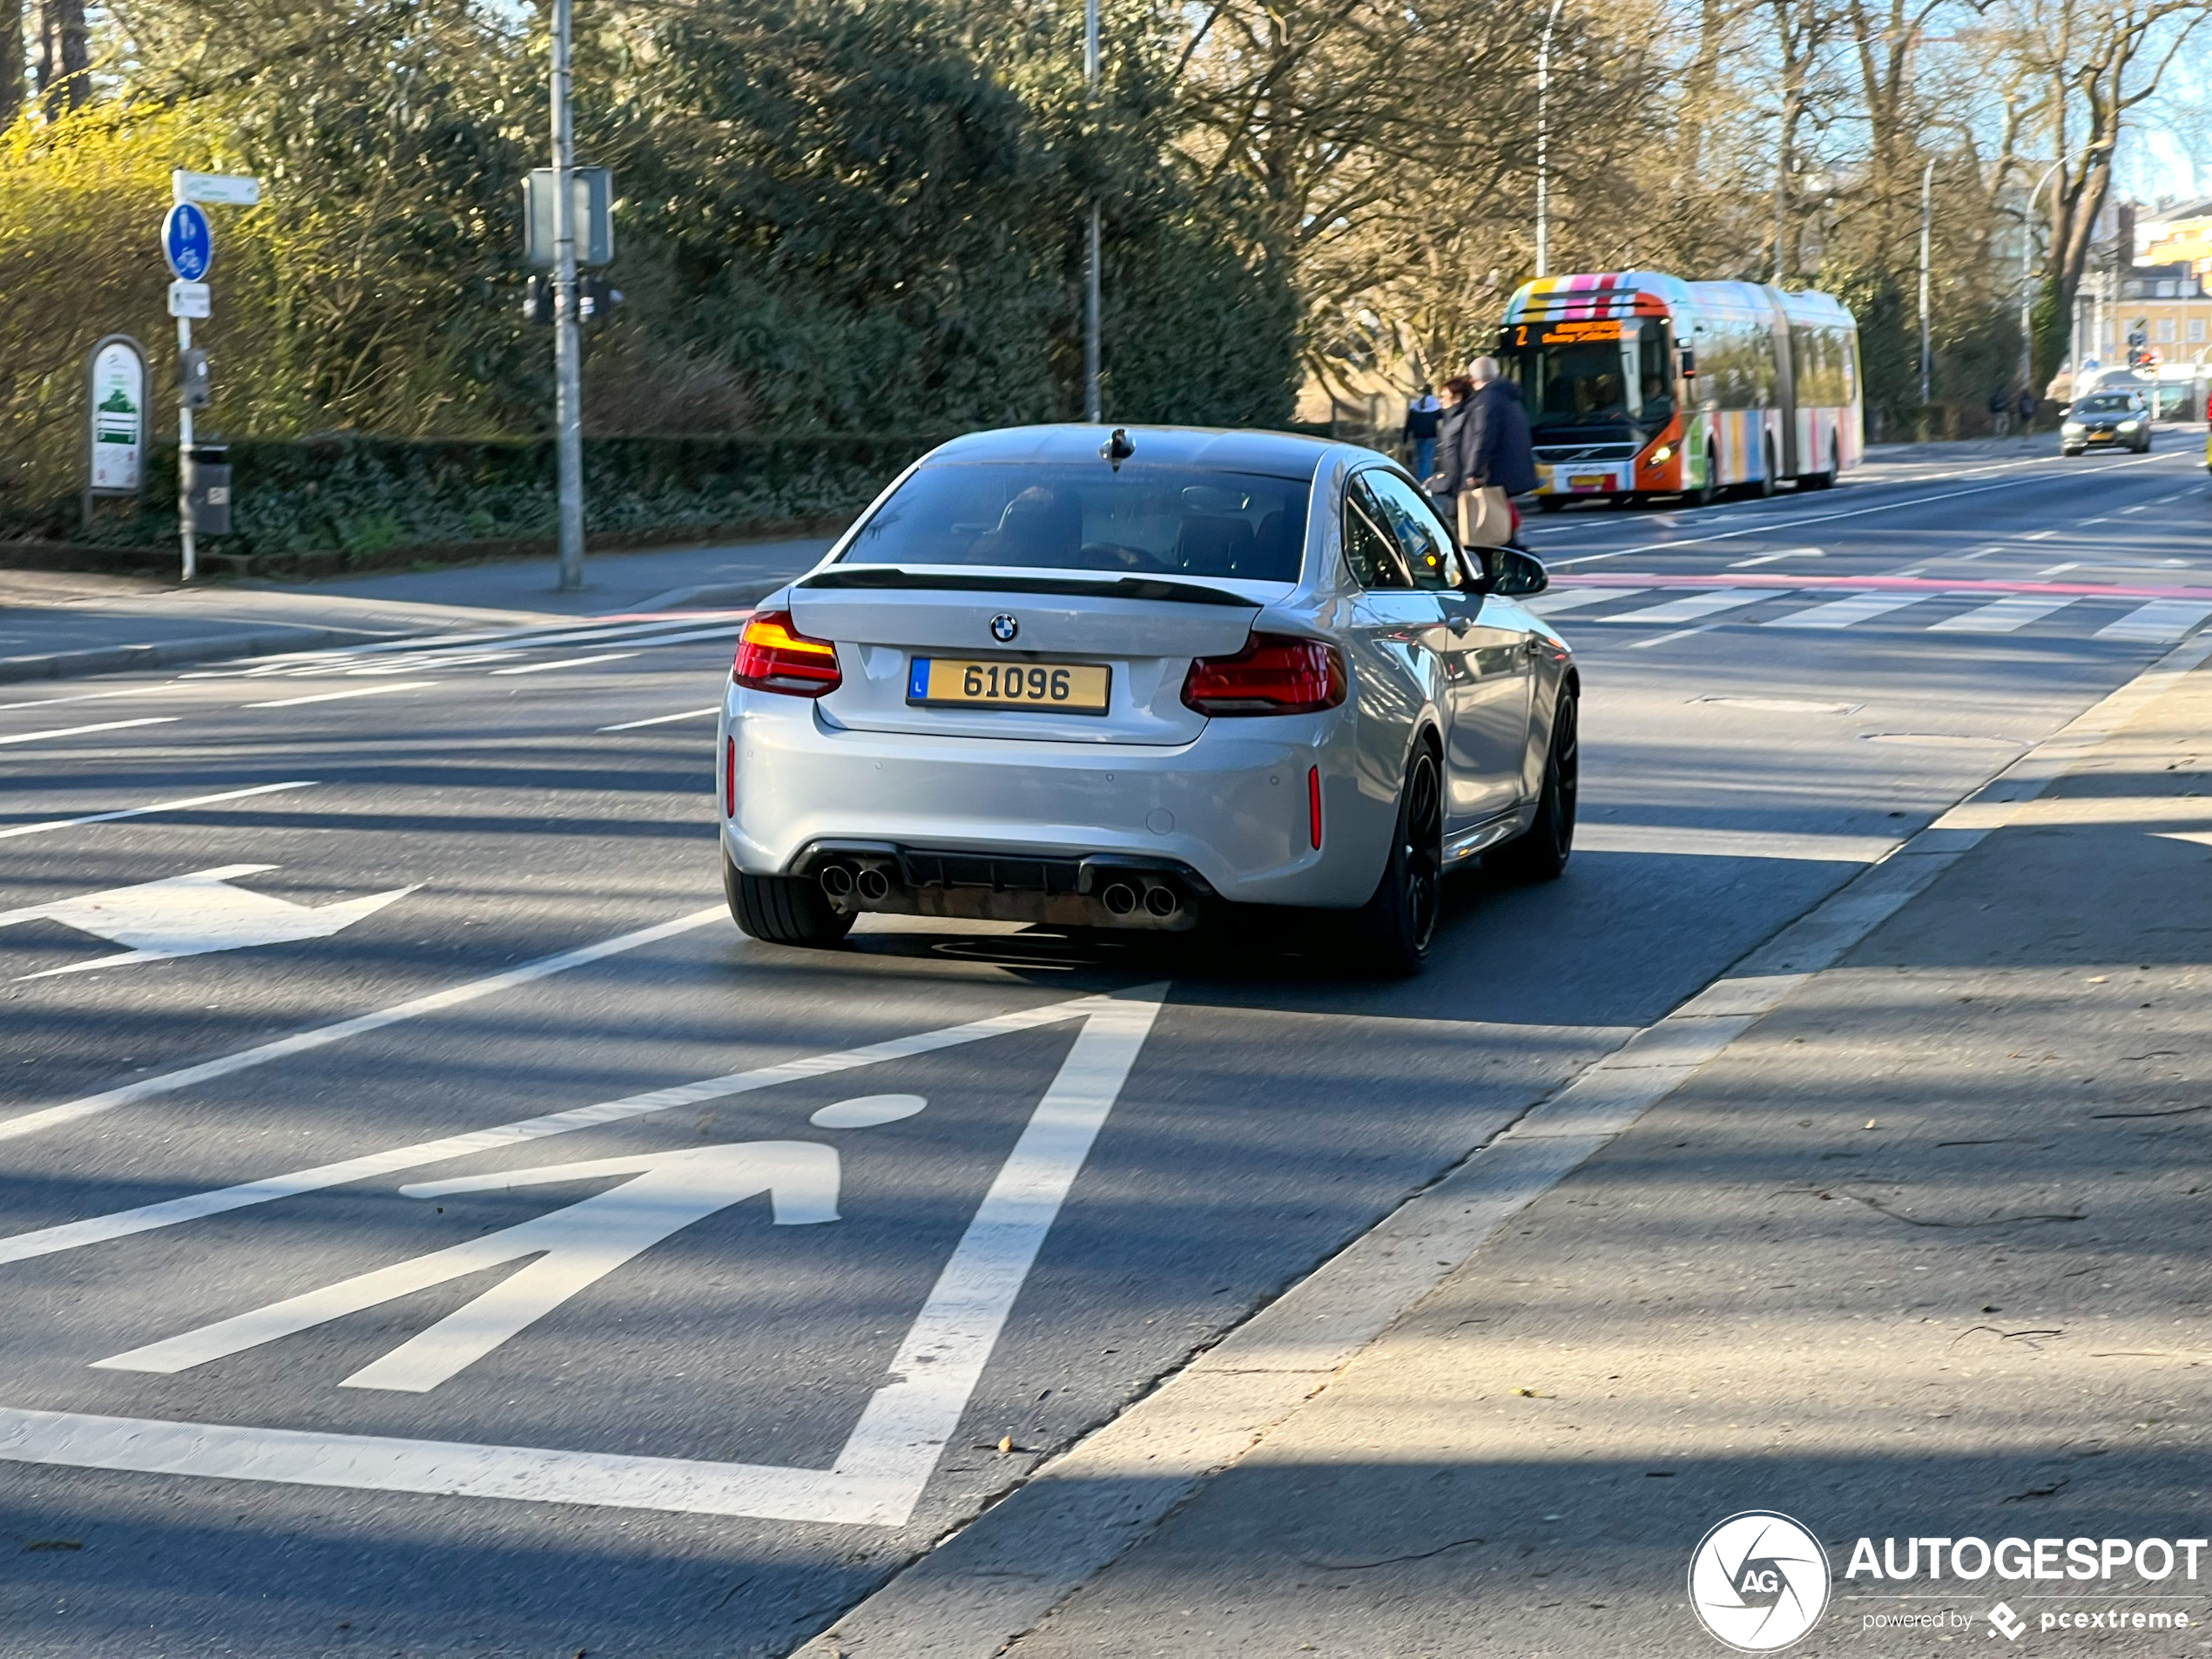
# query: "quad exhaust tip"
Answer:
x=1120 y=899
x=837 y=880
x=1162 y=901
x=873 y=884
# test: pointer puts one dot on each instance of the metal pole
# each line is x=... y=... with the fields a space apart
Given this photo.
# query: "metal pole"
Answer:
x=1927 y=353
x=568 y=346
x=1544 y=143
x=1093 y=405
x=186 y=539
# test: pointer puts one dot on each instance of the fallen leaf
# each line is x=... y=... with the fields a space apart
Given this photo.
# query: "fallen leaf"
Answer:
x=53 y=1543
x=1871 y=1123
x=1006 y=1444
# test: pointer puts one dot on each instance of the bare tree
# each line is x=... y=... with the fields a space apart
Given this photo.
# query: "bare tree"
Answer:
x=64 y=58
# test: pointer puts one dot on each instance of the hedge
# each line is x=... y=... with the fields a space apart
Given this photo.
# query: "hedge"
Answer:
x=362 y=497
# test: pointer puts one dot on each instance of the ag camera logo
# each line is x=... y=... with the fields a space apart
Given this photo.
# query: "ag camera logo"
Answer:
x=1758 y=1581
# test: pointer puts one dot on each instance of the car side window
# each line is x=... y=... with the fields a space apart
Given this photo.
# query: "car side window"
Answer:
x=1369 y=547
x=1428 y=550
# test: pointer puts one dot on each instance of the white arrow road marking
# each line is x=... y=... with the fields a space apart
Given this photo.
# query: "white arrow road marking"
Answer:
x=885 y=1462
x=190 y=915
x=582 y=1244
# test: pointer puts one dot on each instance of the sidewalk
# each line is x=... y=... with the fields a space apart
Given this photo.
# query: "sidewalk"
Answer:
x=58 y=624
x=1917 y=1253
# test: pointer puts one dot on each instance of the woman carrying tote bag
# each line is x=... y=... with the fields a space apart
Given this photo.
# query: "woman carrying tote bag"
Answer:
x=1480 y=512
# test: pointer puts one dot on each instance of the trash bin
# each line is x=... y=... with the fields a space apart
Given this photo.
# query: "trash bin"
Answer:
x=207 y=488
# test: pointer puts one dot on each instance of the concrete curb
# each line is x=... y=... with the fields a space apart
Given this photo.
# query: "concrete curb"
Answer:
x=210 y=648
x=988 y=1583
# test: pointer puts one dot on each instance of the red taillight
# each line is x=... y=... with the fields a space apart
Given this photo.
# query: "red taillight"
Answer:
x=730 y=778
x=1313 y=805
x=1274 y=674
x=773 y=656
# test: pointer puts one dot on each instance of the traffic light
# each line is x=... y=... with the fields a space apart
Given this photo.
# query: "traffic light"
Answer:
x=596 y=298
x=195 y=388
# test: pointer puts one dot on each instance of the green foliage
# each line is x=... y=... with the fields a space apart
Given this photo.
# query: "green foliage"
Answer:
x=361 y=496
x=833 y=217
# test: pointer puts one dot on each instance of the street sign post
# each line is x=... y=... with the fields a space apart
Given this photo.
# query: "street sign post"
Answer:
x=115 y=428
x=189 y=245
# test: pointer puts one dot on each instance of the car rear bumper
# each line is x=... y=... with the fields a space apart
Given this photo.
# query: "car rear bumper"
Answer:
x=1230 y=808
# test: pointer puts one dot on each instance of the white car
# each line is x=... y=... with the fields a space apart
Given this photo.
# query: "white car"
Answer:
x=1138 y=680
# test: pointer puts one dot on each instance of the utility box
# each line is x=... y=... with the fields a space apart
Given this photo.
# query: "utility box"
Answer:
x=208 y=487
x=592 y=194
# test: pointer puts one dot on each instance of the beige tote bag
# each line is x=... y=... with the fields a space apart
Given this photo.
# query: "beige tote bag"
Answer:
x=1485 y=519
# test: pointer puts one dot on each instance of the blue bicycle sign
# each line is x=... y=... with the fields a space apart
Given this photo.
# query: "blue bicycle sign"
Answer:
x=187 y=242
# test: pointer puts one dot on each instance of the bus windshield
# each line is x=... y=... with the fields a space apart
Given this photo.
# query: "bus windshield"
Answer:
x=1574 y=377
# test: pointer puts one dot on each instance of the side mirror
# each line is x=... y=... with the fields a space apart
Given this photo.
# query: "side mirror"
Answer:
x=1688 y=362
x=1508 y=572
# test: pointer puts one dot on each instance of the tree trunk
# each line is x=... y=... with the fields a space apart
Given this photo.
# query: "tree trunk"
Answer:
x=63 y=58
x=12 y=64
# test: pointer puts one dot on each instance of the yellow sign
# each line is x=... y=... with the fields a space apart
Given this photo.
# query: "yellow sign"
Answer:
x=1576 y=333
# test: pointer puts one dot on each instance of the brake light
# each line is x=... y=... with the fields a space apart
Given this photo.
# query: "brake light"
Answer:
x=1274 y=674
x=773 y=656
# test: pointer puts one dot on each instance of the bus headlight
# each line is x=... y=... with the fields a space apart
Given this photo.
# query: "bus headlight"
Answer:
x=1660 y=456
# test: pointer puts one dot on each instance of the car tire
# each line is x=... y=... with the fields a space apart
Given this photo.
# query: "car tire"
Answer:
x=782 y=909
x=1762 y=487
x=2069 y=452
x=1539 y=853
x=1393 y=931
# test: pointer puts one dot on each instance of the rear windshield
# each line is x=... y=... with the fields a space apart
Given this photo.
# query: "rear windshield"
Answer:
x=2108 y=404
x=1145 y=520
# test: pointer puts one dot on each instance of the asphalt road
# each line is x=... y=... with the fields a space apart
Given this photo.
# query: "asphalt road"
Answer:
x=272 y=1391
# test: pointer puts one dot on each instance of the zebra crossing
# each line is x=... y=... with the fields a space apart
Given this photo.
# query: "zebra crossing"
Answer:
x=2129 y=618
x=585 y=644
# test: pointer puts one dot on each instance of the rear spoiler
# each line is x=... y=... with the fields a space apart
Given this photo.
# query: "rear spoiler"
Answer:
x=1128 y=587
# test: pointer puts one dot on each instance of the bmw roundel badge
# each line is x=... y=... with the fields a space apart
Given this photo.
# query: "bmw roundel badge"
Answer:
x=1003 y=628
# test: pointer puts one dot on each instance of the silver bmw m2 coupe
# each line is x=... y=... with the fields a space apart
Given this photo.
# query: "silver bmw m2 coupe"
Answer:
x=1144 y=678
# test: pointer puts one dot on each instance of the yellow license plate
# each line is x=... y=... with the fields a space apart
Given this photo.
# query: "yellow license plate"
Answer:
x=1067 y=688
x=1590 y=481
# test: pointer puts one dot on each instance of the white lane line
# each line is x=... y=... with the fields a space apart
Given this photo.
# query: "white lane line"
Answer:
x=434 y=660
x=322 y=1036
x=1558 y=599
x=1819 y=518
x=2039 y=536
x=85 y=697
x=80 y=730
x=2085 y=523
x=1691 y=606
x=566 y=662
x=2141 y=506
x=1671 y=841
x=1979 y=553
x=556 y=633
x=2159 y=621
x=333 y=696
x=1769 y=558
x=1679 y=633
x=1842 y=613
x=2014 y=611
x=158 y=807
x=662 y=719
x=885 y=1465
x=2055 y=570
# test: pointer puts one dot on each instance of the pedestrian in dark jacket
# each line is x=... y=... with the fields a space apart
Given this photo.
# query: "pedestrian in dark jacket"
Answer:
x=1504 y=457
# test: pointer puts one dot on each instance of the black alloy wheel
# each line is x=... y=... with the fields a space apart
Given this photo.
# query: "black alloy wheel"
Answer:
x=782 y=909
x=1540 y=853
x=1396 y=927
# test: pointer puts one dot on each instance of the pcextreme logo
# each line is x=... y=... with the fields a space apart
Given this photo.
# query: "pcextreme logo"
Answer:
x=1758 y=1581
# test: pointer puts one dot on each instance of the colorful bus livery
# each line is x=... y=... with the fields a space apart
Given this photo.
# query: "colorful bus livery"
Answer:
x=1638 y=383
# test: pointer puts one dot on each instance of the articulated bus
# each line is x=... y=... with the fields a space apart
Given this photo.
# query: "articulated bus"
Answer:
x=1640 y=384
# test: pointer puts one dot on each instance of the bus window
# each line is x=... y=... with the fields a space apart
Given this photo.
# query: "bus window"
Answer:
x=1656 y=375
x=1596 y=381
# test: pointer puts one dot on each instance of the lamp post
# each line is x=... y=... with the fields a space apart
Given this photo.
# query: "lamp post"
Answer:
x=1927 y=215
x=568 y=346
x=1544 y=143
x=1094 y=406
